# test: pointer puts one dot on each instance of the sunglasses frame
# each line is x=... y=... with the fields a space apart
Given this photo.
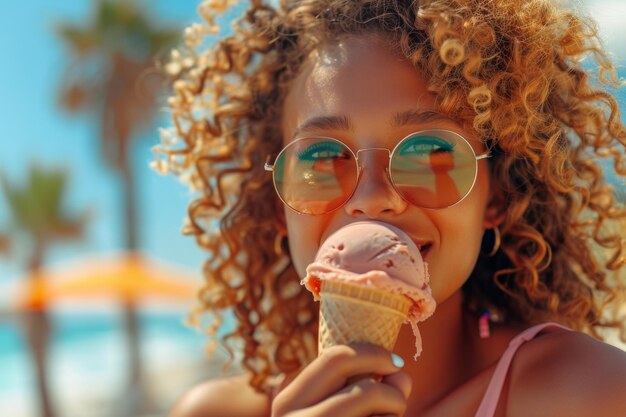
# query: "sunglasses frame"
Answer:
x=436 y=132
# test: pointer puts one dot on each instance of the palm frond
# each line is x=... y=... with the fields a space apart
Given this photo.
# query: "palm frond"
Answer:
x=36 y=207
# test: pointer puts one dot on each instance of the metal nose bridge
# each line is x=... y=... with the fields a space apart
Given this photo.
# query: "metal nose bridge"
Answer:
x=371 y=149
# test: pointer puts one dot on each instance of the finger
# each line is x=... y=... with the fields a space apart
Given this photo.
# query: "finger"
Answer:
x=364 y=398
x=328 y=373
x=400 y=381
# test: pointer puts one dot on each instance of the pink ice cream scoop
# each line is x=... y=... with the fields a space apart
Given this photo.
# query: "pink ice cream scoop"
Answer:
x=375 y=254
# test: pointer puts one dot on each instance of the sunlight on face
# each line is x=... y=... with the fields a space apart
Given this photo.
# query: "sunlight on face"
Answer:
x=346 y=82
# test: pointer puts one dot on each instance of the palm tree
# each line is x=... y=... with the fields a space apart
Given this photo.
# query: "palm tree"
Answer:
x=36 y=211
x=112 y=74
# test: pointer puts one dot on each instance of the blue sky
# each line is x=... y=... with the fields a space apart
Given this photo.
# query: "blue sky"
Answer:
x=33 y=129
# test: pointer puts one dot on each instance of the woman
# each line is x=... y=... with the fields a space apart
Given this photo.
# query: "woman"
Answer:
x=534 y=240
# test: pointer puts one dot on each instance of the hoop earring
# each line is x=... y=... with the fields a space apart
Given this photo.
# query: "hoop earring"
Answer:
x=496 y=243
x=279 y=245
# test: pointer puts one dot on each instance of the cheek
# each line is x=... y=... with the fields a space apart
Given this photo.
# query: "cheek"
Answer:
x=454 y=262
x=304 y=236
x=461 y=231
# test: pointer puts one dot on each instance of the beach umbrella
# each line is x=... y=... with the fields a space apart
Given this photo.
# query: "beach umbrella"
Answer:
x=129 y=277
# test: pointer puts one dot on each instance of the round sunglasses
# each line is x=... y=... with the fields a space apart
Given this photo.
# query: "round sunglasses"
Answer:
x=431 y=169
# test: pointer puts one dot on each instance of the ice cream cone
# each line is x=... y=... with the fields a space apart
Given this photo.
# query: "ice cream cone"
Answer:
x=360 y=314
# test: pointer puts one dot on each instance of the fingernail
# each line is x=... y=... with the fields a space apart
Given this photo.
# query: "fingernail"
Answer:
x=397 y=360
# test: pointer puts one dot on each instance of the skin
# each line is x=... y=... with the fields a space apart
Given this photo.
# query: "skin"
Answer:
x=333 y=83
x=347 y=79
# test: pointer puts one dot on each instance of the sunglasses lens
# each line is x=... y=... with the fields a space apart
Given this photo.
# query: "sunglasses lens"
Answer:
x=433 y=169
x=315 y=176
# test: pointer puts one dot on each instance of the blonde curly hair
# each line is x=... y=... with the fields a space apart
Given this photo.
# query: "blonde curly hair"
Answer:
x=511 y=71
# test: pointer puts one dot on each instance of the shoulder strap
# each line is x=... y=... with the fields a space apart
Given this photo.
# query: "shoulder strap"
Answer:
x=489 y=402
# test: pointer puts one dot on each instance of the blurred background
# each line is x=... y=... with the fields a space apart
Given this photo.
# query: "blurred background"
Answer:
x=95 y=277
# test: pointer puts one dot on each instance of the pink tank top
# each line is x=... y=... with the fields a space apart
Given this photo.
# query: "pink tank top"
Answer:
x=489 y=402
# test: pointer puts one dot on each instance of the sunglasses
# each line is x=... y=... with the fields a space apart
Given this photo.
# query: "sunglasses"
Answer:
x=431 y=169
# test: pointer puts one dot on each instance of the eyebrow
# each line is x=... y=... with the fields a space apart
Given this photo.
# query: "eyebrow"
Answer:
x=409 y=117
x=398 y=119
x=325 y=123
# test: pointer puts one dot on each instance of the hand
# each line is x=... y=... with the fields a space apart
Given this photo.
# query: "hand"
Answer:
x=323 y=387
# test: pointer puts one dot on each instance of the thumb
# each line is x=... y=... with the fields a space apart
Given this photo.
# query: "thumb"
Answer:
x=401 y=381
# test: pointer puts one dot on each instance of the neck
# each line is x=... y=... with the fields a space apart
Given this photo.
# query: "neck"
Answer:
x=446 y=348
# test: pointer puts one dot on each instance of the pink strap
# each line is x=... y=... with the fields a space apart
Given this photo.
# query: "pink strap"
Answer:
x=492 y=395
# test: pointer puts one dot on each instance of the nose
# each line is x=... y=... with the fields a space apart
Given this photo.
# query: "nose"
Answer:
x=375 y=195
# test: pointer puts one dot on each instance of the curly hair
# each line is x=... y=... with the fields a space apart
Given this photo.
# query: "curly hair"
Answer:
x=511 y=71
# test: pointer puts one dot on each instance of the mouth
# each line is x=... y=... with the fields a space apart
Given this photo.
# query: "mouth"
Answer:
x=424 y=249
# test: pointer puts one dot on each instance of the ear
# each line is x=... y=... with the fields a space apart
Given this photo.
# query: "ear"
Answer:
x=495 y=213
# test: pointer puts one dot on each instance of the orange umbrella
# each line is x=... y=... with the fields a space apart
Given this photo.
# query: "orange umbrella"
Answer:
x=128 y=277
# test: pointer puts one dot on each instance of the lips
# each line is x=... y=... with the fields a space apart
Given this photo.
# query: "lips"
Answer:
x=424 y=249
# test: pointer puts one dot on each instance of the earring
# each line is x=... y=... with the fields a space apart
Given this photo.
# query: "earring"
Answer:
x=483 y=325
x=281 y=228
x=496 y=242
x=279 y=245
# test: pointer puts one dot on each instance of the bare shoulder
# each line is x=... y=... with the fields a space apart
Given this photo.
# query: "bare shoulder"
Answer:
x=231 y=396
x=569 y=374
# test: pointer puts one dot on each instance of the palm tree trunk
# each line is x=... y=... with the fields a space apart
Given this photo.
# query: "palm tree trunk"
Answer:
x=130 y=202
x=137 y=397
x=37 y=327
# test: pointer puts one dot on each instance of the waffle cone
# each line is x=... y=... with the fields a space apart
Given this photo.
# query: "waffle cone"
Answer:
x=359 y=314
